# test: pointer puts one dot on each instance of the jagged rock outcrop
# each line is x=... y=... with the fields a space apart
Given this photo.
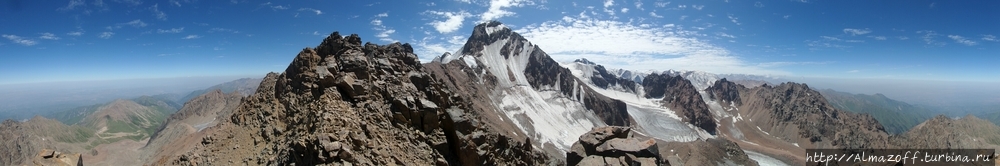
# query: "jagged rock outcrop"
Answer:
x=604 y=79
x=613 y=145
x=344 y=102
x=680 y=96
x=726 y=91
x=51 y=157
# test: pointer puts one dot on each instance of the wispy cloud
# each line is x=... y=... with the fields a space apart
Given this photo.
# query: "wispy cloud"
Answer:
x=854 y=71
x=73 y=4
x=48 y=36
x=662 y=4
x=758 y=4
x=879 y=37
x=105 y=35
x=777 y=64
x=75 y=33
x=384 y=33
x=929 y=36
x=989 y=38
x=453 y=20
x=735 y=20
x=318 y=12
x=962 y=40
x=213 y=30
x=698 y=7
x=498 y=9
x=155 y=9
x=272 y=6
x=171 y=30
x=653 y=14
x=855 y=32
x=20 y=40
x=191 y=37
x=134 y=23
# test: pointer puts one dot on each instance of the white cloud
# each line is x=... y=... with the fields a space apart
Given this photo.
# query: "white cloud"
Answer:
x=662 y=4
x=156 y=12
x=624 y=45
x=318 y=12
x=853 y=71
x=830 y=38
x=777 y=64
x=638 y=5
x=854 y=41
x=962 y=40
x=902 y=37
x=698 y=7
x=20 y=40
x=134 y=23
x=384 y=32
x=191 y=37
x=498 y=9
x=171 y=30
x=453 y=21
x=273 y=7
x=653 y=14
x=758 y=4
x=734 y=19
x=989 y=38
x=722 y=34
x=213 y=30
x=73 y=4
x=75 y=33
x=609 y=3
x=854 y=32
x=105 y=35
x=929 y=38
x=624 y=10
x=879 y=37
x=49 y=36
x=787 y=16
x=175 y=3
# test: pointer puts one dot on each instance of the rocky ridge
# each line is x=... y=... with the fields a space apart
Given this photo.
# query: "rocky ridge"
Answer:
x=344 y=102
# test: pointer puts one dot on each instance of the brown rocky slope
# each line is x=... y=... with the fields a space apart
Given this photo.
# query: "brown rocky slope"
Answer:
x=344 y=102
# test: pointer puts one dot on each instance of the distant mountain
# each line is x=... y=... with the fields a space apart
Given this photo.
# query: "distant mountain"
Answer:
x=186 y=125
x=243 y=87
x=896 y=116
x=126 y=118
x=941 y=132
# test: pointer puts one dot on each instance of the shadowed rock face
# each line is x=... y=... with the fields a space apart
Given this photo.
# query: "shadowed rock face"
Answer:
x=366 y=104
x=680 y=96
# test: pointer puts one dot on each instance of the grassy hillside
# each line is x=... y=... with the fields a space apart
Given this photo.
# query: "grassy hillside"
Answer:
x=896 y=116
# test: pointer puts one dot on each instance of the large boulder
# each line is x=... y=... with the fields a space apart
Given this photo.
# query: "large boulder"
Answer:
x=613 y=145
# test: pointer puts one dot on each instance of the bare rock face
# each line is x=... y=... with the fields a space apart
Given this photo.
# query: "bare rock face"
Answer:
x=680 y=96
x=726 y=91
x=52 y=157
x=794 y=111
x=613 y=145
x=344 y=102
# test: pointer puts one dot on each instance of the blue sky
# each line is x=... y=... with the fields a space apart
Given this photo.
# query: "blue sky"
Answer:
x=45 y=41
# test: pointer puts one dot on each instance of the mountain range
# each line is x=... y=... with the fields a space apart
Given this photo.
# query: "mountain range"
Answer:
x=499 y=100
